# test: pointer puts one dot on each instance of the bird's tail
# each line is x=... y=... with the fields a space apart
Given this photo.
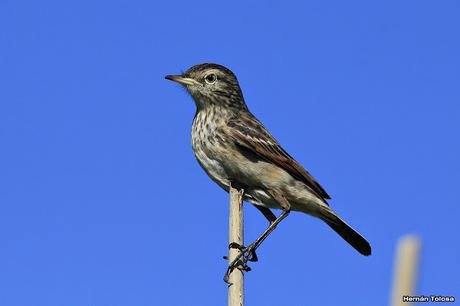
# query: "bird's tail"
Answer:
x=346 y=232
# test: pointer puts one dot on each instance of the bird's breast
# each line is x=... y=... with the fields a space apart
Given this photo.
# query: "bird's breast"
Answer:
x=207 y=146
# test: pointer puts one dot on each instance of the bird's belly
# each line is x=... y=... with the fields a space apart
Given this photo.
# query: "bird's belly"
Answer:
x=255 y=177
x=225 y=168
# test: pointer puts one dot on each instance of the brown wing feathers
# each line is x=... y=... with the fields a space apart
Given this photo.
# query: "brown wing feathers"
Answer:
x=257 y=139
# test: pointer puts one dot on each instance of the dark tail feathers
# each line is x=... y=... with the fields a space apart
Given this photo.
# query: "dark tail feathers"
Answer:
x=350 y=235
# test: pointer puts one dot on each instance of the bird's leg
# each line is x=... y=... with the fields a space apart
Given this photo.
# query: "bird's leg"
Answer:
x=274 y=221
x=248 y=253
x=252 y=248
x=270 y=217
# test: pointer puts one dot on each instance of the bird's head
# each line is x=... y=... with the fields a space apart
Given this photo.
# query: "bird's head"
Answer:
x=211 y=85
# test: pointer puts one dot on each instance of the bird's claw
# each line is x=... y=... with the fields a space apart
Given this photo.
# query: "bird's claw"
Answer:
x=247 y=253
x=240 y=262
x=234 y=245
x=237 y=263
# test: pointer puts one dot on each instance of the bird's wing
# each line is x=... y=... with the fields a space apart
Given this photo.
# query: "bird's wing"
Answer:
x=247 y=132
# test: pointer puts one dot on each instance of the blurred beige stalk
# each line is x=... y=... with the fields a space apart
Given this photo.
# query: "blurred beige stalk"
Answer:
x=406 y=269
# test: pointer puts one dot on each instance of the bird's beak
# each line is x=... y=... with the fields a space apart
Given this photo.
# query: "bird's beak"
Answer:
x=182 y=80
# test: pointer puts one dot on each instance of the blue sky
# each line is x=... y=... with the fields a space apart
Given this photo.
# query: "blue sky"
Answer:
x=101 y=199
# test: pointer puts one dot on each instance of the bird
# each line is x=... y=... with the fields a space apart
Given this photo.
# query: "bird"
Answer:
x=235 y=149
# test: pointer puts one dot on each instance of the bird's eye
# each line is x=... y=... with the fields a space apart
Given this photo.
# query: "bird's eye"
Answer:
x=210 y=78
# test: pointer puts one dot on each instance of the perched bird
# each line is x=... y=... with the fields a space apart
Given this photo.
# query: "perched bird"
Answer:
x=235 y=149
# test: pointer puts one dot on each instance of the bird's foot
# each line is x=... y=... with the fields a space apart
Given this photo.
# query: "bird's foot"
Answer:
x=240 y=262
x=248 y=252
